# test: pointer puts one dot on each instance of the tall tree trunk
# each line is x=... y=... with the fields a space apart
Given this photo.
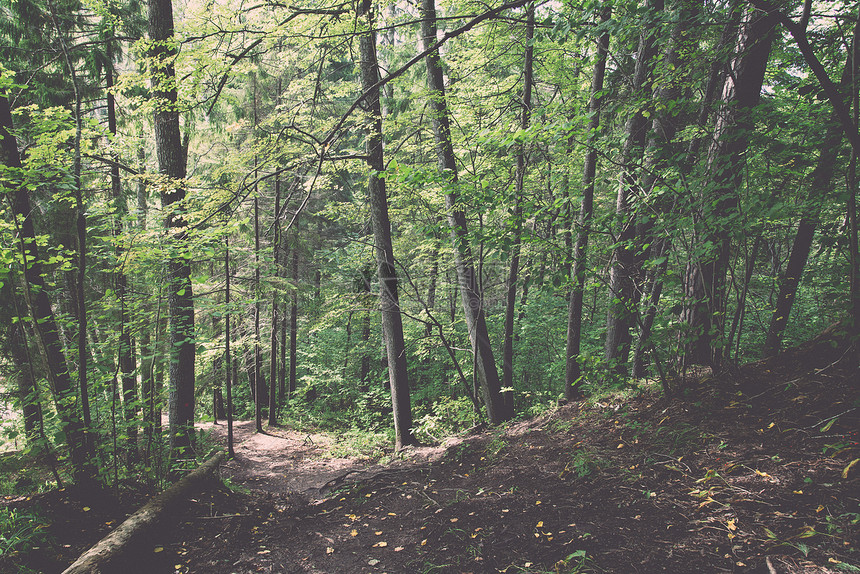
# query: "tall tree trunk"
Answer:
x=853 y=246
x=486 y=374
x=273 y=336
x=820 y=183
x=28 y=392
x=726 y=161
x=81 y=240
x=126 y=344
x=573 y=371
x=388 y=297
x=294 y=320
x=282 y=372
x=256 y=372
x=228 y=370
x=145 y=346
x=662 y=245
x=514 y=269
x=62 y=387
x=624 y=279
x=171 y=155
x=657 y=154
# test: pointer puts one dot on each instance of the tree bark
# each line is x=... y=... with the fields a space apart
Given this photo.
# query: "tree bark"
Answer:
x=273 y=335
x=151 y=410
x=228 y=370
x=388 y=296
x=28 y=392
x=820 y=183
x=171 y=155
x=60 y=380
x=109 y=553
x=256 y=371
x=513 y=270
x=726 y=160
x=294 y=321
x=126 y=351
x=573 y=370
x=662 y=246
x=624 y=275
x=486 y=372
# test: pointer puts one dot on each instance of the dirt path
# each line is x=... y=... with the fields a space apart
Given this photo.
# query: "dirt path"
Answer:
x=284 y=461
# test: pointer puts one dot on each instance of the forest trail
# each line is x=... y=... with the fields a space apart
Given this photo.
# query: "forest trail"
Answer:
x=282 y=461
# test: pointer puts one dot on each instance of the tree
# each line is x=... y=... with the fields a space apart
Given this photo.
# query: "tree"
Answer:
x=573 y=371
x=513 y=270
x=40 y=305
x=388 y=297
x=719 y=203
x=171 y=154
x=819 y=184
x=467 y=278
x=624 y=279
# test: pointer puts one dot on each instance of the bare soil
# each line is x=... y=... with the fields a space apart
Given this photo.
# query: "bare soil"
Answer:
x=751 y=472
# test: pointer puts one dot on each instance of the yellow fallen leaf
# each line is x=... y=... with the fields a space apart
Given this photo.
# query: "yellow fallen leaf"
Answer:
x=86 y=509
x=820 y=508
x=537 y=502
x=378 y=532
x=764 y=474
x=380 y=545
x=454 y=519
x=539 y=524
x=329 y=550
x=353 y=532
x=398 y=549
x=424 y=542
x=797 y=491
x=730 y=524
x=158 y=549
x=620 y=445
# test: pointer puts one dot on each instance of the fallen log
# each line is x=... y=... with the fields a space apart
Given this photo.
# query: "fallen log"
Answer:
x=106 y=555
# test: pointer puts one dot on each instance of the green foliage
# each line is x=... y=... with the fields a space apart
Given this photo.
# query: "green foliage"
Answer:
x=447 y=417
x=21 y=531
x=360 y=444
x=583 y=463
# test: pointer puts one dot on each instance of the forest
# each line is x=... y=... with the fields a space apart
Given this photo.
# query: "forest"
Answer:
x=396 y=222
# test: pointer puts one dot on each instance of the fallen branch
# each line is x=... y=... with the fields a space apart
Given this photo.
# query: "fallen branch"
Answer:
x=104 y=555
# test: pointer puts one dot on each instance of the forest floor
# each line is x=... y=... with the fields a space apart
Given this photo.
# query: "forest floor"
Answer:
x=751 y=472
